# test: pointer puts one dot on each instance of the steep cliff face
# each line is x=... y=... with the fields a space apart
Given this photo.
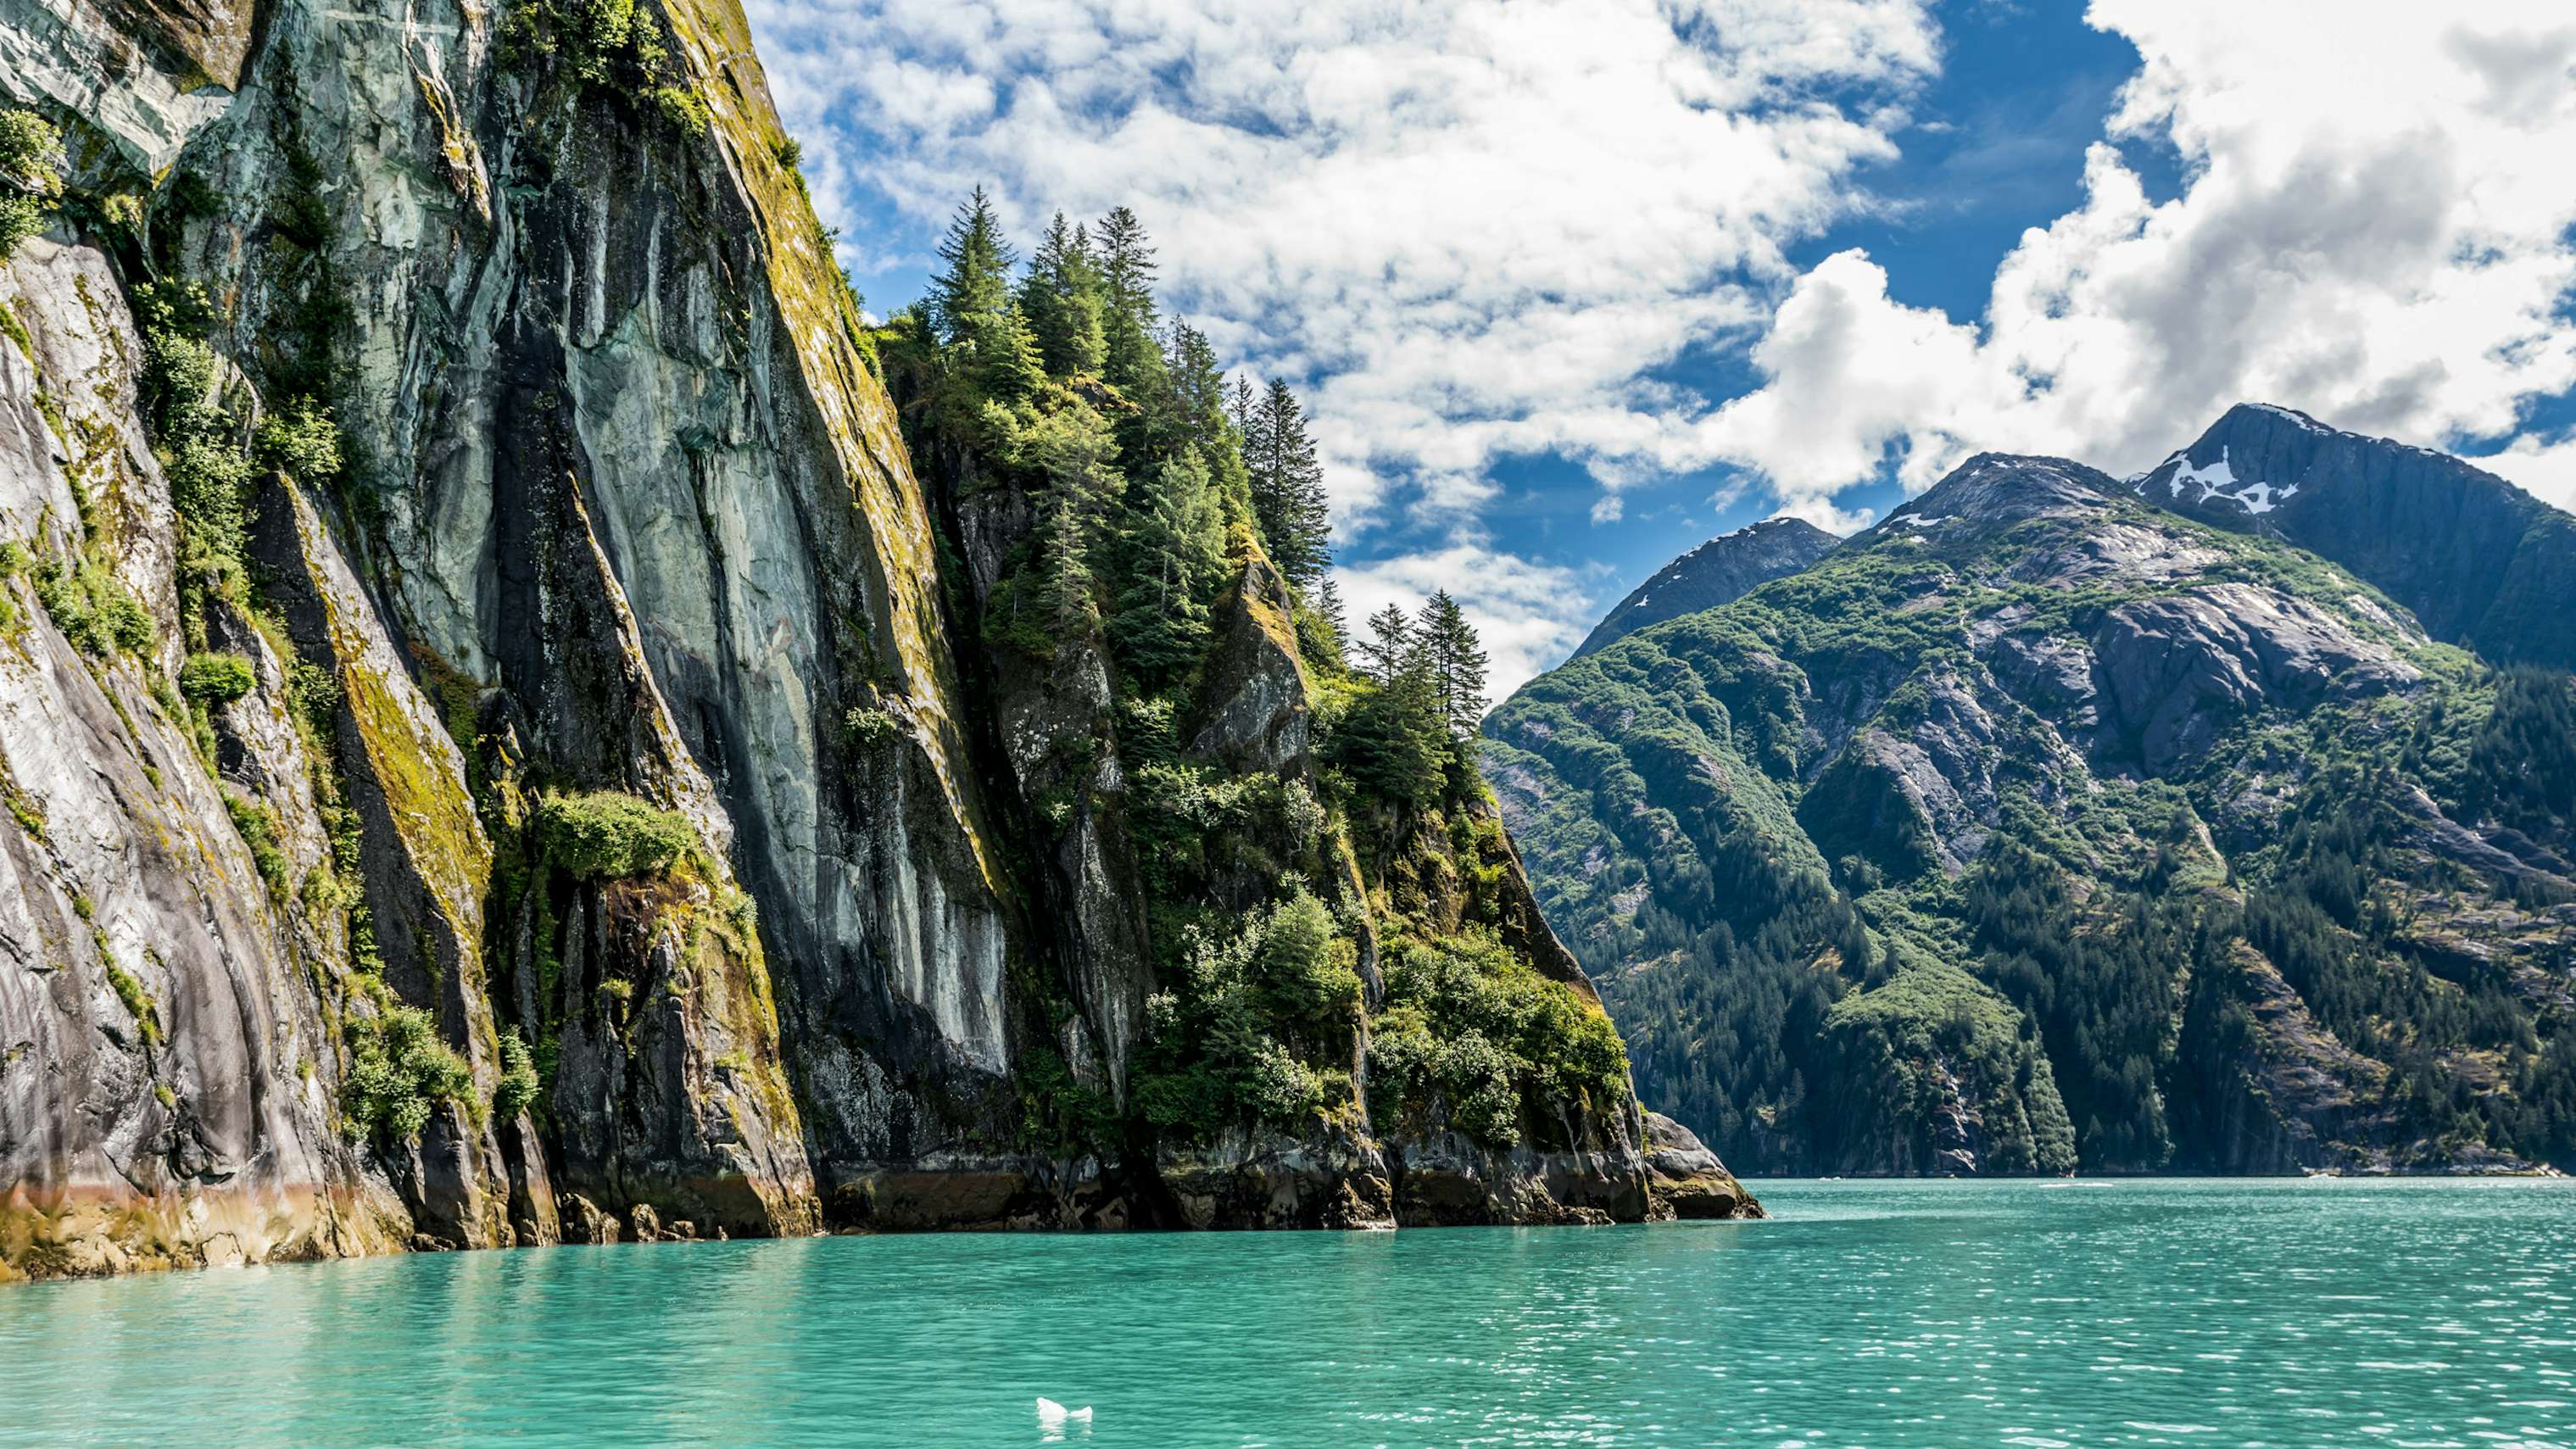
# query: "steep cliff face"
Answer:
x=2476 y=560
x=2042 y=827
x=494 y=756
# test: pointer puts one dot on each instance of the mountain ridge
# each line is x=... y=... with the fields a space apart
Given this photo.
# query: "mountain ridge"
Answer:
x=1716 y=572
x=1812 y=862
x=2478 y=560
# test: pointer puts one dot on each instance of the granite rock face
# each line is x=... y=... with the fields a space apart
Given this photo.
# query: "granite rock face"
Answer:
x=622 y=513
x=1686 y=1179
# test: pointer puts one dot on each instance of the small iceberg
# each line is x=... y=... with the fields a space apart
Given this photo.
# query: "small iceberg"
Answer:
x=1054 y=1417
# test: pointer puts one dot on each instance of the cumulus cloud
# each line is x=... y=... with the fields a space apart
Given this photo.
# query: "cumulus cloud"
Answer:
x=1530 y=615
x=1470 y=228
x=2374 y=228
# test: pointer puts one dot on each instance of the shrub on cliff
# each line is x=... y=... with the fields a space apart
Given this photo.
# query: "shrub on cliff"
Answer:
x=216 y=678
x=1245 y=1010
x=608 y=835
x=614 y=47
x=516 y=1091
x=302 y=442
x=1467 y=1018
x=398 y=1071
x=92 y=608
x=30 y=151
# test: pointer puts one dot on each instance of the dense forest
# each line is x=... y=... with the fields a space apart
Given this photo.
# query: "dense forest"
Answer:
x=1980 y=846
x=1126 y=500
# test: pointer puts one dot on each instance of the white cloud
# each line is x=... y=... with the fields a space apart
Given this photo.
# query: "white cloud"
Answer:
x=1529 y=615
x=2374 y=229
x=1470 y=227
x=2545 y=470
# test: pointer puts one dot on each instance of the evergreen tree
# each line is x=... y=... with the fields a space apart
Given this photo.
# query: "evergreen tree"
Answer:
x=1288 y=488
x=1390 y=644
x=973 y=284
x=1131 y=360
x=1063 y=297
x=1455 y=660
x=1175 y=560
x=1243 y=405
x=1074 y=451
x=1328 y=602
x=1243 y=409
x=971 y=309
x=1321 y=628
x=1198 y=388
x=1394 y=741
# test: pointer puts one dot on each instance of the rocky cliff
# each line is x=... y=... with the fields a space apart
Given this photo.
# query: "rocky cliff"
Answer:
x=500 y=741
x=1717 y=572
x=2043 y=826
x=2478 y=561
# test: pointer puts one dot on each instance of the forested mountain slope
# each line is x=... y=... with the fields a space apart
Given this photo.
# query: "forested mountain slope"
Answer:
x=504 y=743
x=2041 y=827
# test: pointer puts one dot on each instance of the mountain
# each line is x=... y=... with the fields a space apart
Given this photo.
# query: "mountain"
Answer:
x=2478 y=561
x=2043 y=827
x=1719 y=571
x=512 y=736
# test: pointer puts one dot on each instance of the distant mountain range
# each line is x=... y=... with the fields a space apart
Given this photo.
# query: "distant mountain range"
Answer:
x=2213 y=820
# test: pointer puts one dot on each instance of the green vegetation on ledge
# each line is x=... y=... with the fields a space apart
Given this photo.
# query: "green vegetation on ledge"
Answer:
x=1302 y=892
x=607 y=835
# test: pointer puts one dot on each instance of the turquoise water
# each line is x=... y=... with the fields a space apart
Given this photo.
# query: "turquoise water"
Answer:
x=1878 y=1314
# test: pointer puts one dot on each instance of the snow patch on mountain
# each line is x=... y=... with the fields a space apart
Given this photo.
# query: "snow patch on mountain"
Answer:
x=2219 y=480
x=2302 y=419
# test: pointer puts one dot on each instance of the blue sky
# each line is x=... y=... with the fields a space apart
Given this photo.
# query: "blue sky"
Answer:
x=1573 y=286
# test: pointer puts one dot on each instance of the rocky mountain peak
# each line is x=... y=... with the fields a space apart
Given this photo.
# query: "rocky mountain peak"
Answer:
x=2479 y=561
x=1995 y=490
x=1719 y=571
x=2048 y=827
x=2254 y=460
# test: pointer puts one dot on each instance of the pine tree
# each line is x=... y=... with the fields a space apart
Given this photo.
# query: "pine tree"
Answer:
x=1067 y=559
x=1288 y=489
x=1074 y=451
x=1198 y=388
x=1131 y=360
x=971 y=309
x=1394 y=741
x=974 y=282
x=1322 y=629
x=1328 y=602
x=1174 y=562
x=1064 y=297
x=1389 y=646
x=1243 y=406
x=1456 y=661
x=1243 y=409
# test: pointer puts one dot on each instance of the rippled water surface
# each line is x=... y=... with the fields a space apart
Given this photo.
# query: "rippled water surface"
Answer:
x=1880 y=1314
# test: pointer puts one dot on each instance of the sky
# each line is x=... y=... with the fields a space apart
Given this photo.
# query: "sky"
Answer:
x=1570 y=286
